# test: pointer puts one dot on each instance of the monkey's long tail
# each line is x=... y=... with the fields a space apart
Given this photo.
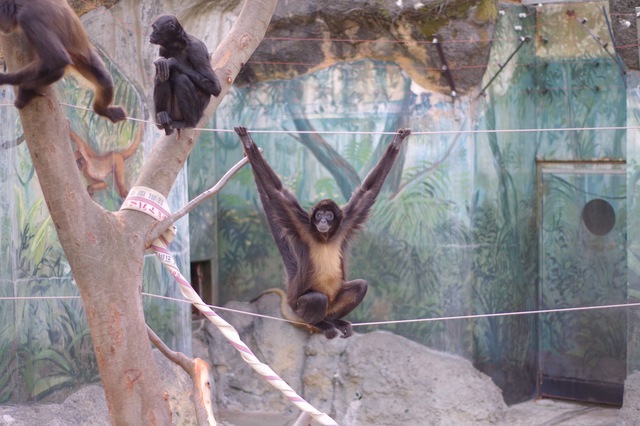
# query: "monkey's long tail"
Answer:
x=153 y=203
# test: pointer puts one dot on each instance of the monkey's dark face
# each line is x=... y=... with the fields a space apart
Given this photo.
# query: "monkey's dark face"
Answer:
x=326 y=217
x=323 y=219
x=165 y=28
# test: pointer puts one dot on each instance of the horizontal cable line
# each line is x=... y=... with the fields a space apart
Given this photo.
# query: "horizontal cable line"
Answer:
x=221 y=308
x=447 y=318
x=372 y=323
x=371 y=40
x=453 y=67
x=427 y=42
x=432 y=132
x=503 y=314
x=37 y=297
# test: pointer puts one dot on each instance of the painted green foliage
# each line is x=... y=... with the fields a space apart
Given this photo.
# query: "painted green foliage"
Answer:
x=44 y=340
x=633 y=215
x=456 y=229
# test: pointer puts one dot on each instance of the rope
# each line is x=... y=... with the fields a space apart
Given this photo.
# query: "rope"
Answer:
x=371 y=323
x=426 y=133
x=418 y=320
x=153 y=203
x=432 y=132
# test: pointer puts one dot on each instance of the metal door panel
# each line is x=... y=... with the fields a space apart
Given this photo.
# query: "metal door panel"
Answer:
x=582 y=354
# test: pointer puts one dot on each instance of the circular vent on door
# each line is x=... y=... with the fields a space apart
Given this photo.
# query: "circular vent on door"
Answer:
x=598 y=217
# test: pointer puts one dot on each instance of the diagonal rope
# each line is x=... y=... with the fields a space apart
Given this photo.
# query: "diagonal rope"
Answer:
x=153 y=203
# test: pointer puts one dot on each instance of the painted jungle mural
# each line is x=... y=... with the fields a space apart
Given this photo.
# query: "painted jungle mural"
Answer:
x=457 y=230
x=44 y=340
x=482 y=214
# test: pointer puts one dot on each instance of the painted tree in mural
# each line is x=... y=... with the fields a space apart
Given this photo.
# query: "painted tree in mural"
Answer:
x=106 y=249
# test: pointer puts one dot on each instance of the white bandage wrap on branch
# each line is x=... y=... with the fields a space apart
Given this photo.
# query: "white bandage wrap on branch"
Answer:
x=153 y=203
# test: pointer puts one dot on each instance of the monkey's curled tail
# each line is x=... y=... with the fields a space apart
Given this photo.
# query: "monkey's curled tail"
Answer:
x=285 y=309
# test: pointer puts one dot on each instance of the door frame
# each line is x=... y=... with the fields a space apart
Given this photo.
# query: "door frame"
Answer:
x=612 y=392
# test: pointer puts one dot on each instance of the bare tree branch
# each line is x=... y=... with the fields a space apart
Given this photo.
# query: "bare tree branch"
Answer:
x=346 y=177
x=160 y=227
x=199 y=371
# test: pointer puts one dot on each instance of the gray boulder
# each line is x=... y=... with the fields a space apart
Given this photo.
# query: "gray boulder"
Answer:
x=369 y=379
x=630 y=411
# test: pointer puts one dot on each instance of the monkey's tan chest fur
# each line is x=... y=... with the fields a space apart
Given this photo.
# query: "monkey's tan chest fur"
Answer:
x=327 y=267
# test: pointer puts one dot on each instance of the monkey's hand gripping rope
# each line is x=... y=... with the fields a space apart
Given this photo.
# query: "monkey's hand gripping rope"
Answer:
x=153 y=203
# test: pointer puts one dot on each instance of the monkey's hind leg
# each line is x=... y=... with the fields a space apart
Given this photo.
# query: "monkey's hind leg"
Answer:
x=25 y=95
x=347 y=300
x=328 y=328
x=27 y=92
x=190 y=102
x=163 y=121
x=311 y=307
x=285 y=309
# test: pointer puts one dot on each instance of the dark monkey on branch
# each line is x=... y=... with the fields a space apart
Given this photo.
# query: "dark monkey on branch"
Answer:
x=184 y=81
x=314 y=245
x=58 y=39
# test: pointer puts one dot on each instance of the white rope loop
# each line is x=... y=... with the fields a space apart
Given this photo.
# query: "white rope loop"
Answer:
x=153 y=203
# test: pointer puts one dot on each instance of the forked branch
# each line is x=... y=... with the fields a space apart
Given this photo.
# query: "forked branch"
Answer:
x=158 y=229
x=199 y=371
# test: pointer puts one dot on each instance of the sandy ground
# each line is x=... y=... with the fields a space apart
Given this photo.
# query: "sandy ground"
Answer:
x=550 y=412
x=545 y=412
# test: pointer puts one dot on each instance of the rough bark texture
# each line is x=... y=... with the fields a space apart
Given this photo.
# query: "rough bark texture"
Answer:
x=625 y=30
x=105 y=249
x=388 y=30
x=352 y=30
x=400 y=31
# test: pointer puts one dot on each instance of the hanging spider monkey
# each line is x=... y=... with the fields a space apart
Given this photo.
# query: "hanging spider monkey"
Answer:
x=96 y=168
x=56 y=35
x=184 y=81
x=314 y=244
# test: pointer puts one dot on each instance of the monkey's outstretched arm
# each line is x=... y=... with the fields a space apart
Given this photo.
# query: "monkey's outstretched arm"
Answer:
x=282 y=210
x=357 y=209
x=267 y=180
x=279 y=203
x=376 y=177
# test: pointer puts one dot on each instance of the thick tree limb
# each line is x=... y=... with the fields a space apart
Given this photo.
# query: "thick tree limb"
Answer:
x=105 y=249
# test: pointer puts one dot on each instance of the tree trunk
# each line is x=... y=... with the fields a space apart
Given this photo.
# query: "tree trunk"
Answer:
x=106 y=249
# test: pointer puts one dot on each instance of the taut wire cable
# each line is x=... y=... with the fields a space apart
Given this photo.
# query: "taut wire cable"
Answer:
x=370 y=323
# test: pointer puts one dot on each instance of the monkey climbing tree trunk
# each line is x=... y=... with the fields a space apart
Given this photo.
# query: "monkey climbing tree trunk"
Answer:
x=106 y=249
